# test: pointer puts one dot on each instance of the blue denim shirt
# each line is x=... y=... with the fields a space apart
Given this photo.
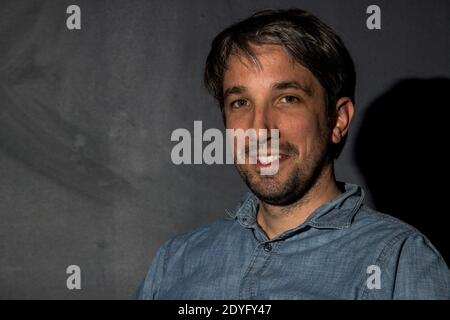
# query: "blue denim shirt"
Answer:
x=344 y=250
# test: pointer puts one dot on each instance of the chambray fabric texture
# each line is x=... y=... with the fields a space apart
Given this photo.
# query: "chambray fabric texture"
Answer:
x=326 y=257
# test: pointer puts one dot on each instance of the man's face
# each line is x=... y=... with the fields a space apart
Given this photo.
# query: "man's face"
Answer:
x=279 y=94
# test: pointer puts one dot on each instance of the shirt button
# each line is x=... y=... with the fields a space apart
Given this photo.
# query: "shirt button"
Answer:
x=267 y=247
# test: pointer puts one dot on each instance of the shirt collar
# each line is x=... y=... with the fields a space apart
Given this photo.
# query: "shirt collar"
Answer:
x=335 y=214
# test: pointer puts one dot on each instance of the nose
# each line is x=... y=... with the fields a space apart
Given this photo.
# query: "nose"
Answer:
x=262 y=121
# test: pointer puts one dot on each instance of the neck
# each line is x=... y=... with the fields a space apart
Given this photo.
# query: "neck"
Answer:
x=275 y=220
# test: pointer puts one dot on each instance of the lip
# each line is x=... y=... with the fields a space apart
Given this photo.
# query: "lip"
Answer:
x=282 y=159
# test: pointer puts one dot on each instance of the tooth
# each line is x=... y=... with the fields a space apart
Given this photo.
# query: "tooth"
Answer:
x=268 y=159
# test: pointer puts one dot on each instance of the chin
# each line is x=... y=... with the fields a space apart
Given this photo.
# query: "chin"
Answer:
x=275 y=190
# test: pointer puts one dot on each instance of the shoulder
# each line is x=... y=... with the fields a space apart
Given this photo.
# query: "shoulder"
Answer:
x=382 y=225
x=412 y=268
x=201 y=238
x=183 y=252
x=390 y=238
x=396 y=234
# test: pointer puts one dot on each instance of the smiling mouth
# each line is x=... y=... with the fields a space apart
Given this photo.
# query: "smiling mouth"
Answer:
x=268 y=160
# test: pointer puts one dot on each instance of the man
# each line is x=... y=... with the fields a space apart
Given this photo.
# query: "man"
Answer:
x=299 y=234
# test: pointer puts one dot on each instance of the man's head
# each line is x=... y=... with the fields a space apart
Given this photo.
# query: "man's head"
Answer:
x=285 y=70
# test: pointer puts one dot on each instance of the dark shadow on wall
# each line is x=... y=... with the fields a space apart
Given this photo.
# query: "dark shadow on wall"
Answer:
x=401 y=152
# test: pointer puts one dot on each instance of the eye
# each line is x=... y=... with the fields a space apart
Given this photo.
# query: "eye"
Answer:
x=289 y=99
x=239 y=103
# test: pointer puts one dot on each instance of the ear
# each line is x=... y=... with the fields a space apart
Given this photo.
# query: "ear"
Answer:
x=344 y=115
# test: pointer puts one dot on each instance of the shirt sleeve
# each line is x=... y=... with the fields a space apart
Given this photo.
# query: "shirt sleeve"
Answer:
x=418 y=270
x=149 y=288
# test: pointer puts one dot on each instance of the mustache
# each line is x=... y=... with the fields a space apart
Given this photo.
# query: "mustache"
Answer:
x=284 y=148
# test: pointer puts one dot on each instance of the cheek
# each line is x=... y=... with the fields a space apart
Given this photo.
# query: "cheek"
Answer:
x=234 y=121
x=303 y=132
x=299 y=128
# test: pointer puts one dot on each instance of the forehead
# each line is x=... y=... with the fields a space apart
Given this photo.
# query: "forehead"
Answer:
x=273 y=64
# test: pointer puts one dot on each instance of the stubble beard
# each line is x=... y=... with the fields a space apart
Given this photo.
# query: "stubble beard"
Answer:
x=278 y=191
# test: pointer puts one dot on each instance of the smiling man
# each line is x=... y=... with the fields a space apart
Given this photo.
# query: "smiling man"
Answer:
x=299 y=234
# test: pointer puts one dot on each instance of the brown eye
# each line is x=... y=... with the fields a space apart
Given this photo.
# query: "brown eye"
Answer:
x=238 y=103
x=289 y=99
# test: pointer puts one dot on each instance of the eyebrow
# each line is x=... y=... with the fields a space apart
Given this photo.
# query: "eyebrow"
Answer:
x=276 y=86
x=234 y=90
x=293 y=85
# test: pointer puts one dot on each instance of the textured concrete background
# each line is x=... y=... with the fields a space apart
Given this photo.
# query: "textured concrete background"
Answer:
x=86 y=118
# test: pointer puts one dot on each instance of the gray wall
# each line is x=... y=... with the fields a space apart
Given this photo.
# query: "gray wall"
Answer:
x=86 y=118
